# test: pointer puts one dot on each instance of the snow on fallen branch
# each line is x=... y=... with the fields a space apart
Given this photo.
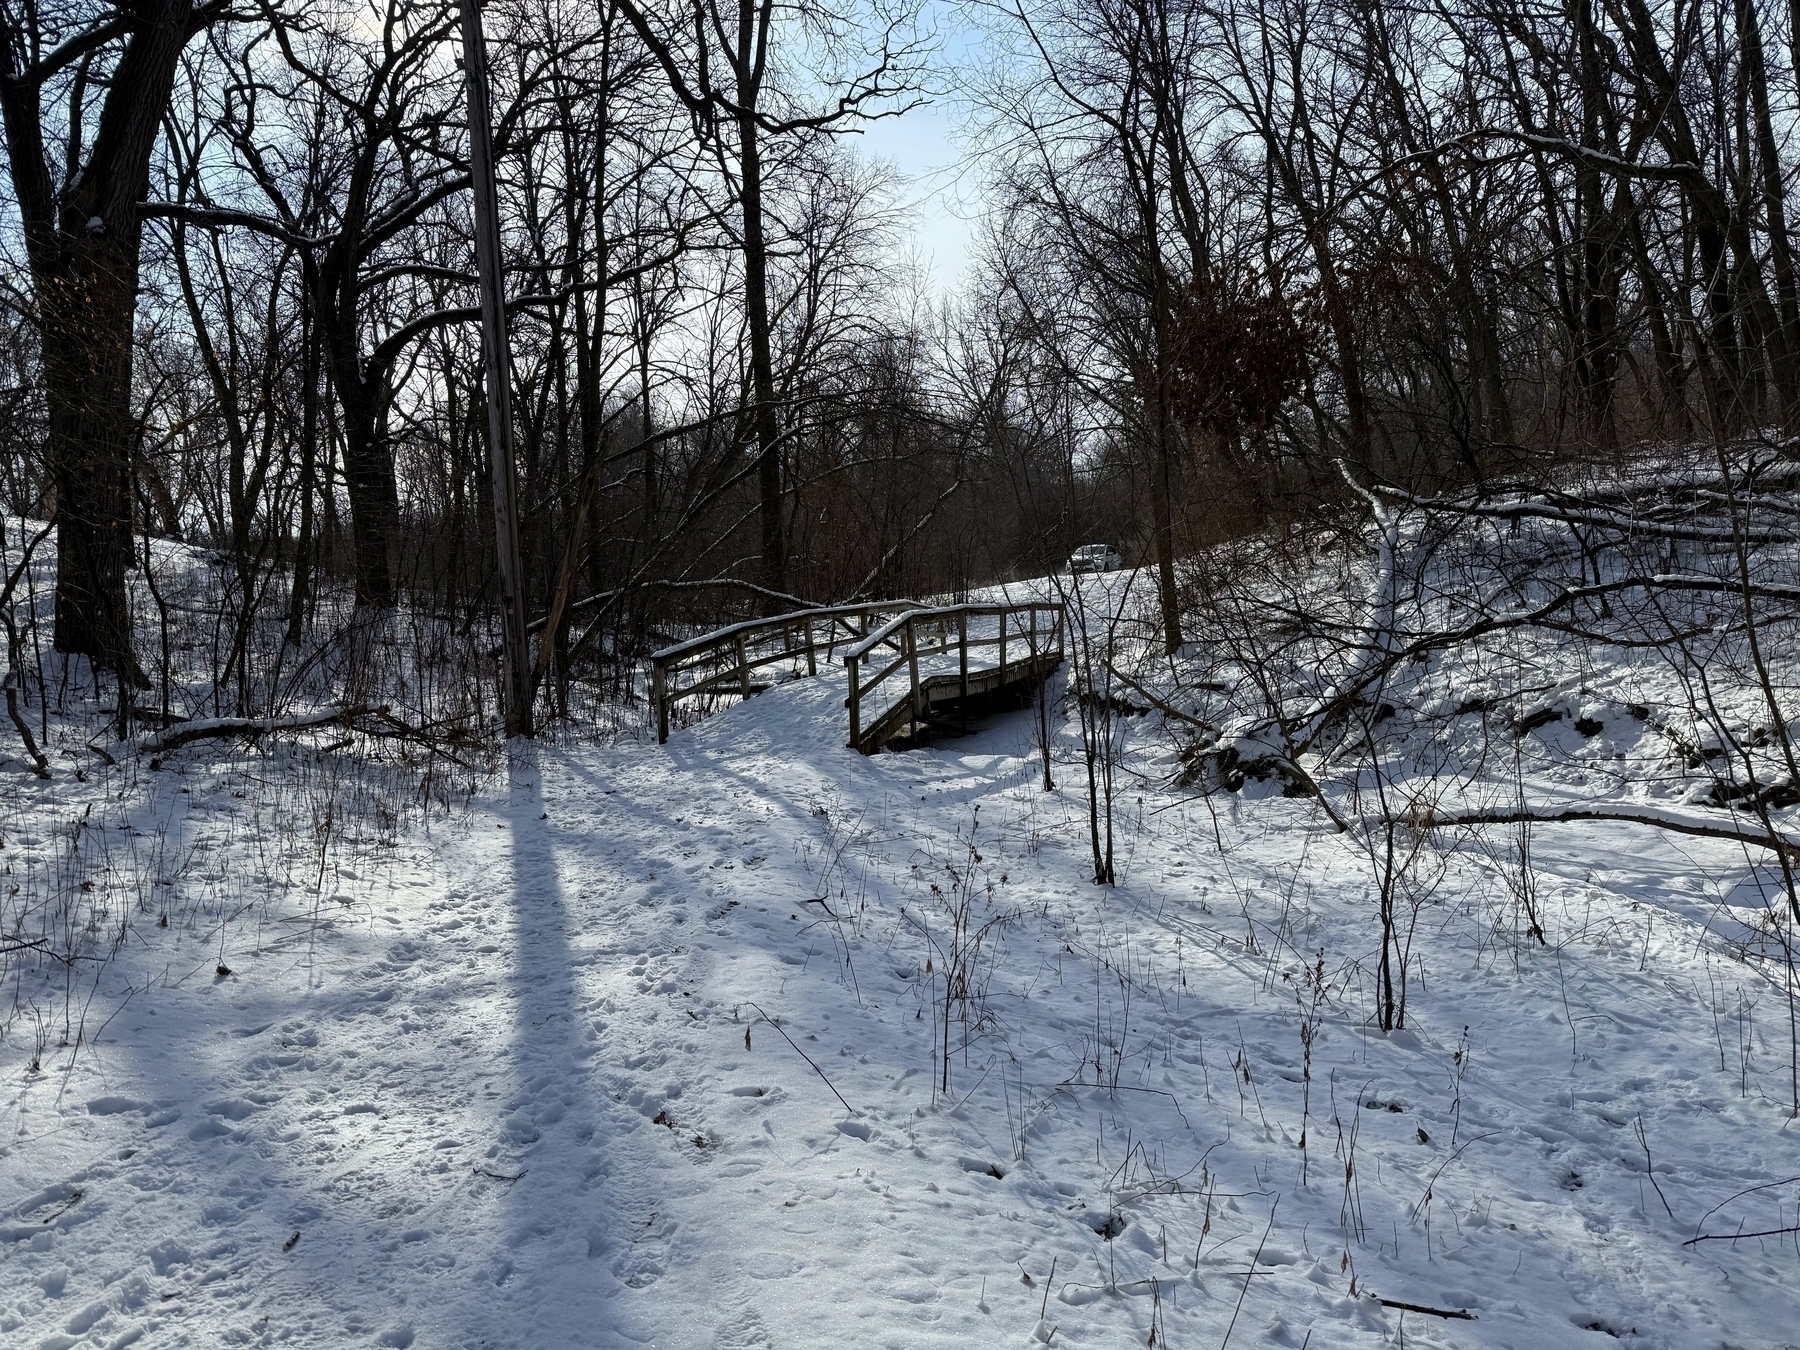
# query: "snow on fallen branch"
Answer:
x=1377 y=647
x=1161 y=705
x=1379 y=644
x=1273 y=743
x=250 y=728
x=1659 y=818
x=1387 y=656
x=1598 y=519
x=436 y=737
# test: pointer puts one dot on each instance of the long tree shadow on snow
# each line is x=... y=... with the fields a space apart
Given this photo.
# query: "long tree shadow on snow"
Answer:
x=565 y=1250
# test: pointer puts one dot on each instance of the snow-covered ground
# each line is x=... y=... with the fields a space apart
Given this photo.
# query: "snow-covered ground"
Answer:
x=644 y=1045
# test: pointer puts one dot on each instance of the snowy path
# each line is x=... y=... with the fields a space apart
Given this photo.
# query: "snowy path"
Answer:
x=522 y=1094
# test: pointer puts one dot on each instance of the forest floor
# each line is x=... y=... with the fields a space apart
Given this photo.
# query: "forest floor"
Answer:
x=643 y=1046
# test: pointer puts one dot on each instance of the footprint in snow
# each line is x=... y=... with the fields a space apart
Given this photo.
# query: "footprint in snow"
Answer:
x=644 y=1262
x=743 y=1330
x=112 y=1106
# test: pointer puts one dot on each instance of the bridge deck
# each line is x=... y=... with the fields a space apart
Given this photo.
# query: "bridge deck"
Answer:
x=912 y=675
x=915 y=675
x=946 y=703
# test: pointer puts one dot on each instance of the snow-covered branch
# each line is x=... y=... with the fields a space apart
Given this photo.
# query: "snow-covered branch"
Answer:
x=249 y=728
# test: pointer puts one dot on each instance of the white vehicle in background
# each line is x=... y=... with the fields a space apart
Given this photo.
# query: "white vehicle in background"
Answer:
x=1095 y=558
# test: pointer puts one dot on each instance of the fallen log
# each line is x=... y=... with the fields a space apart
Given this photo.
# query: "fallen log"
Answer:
x=1642 y=815
x=249 y=728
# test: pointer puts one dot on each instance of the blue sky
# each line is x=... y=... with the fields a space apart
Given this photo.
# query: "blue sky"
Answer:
x=928 y=147
x=941 y=196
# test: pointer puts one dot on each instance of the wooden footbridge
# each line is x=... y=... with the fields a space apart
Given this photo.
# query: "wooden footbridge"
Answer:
x=912 y=669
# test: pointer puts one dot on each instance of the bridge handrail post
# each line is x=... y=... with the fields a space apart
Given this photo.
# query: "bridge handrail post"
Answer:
x=854 y=664
x=912 y=663
x=659 y=676
x=743 y=665
x=1002 y=676
x=962 y=649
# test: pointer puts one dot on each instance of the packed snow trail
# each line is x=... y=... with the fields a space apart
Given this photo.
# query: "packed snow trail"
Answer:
x=524 y=1091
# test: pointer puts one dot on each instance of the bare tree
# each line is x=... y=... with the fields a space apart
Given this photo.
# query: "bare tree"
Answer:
x=80 y=197
x=751 y=103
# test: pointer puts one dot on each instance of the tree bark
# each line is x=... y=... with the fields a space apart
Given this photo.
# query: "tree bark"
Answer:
x=82 y=243
x=369 y=481
x=1674 y=415
x=300 y=593
x=86 y=302
x=756 y=303
x=1787 y=350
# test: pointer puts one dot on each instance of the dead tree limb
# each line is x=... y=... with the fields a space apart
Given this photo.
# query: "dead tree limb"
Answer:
x=1456 y=1314
x=1738 y=1237
x=1161 y=705
x=1574 y=515
x=1550 y=815
x=42 y=765
x=249 y=728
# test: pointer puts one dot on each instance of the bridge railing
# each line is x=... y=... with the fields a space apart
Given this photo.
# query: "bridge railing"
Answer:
x=1022 y=636
x=725 y=662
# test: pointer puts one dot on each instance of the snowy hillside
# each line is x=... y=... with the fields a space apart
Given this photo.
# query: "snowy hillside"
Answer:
x=643 y=1045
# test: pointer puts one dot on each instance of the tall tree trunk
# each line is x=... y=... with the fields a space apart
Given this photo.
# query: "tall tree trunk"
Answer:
x=300 y=593
x=362 y=397
x=1481 y=342
x=762 y=359
x=1787 y=351
x=1163 y=475
x=1343 y=332
x=1598 y=310
x=82 y=243
x=1711 y=212
x=85 y=312
x=373 y=491
x=1674 y=414
x=646 y=415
